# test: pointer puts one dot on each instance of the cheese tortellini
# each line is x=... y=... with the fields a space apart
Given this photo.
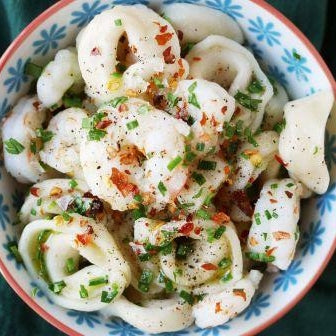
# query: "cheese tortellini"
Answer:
x=164 y=167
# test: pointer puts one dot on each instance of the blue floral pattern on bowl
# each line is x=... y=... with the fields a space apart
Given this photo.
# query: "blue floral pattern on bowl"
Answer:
x=286 y=58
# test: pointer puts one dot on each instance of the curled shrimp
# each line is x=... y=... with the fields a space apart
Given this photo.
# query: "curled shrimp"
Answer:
x=59 y=76
x=21 y=139
x=62 y=151
x=149 y=37
x=140 y=151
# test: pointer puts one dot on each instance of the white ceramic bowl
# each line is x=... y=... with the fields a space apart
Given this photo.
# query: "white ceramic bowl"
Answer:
x=273 y=39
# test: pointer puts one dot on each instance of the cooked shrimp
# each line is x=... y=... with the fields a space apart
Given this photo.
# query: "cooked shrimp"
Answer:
x=194 y=23
x=22 y=139
x=59 y=76
x=140 y=151
x=149 y=36
x=227 y=63
x=62 y=151
x=54 y=242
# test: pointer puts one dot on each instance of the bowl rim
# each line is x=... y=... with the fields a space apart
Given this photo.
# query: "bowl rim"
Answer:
x=318 y=58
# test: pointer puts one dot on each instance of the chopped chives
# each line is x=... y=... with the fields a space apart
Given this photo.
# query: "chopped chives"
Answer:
x=289 y=185
x=70 y=265
x=119 y=100
x=279 y=126
x=32 y=69
x=13 y=249
x=158 y=83
x=57 y=287
x=225 y=262
x=72 y=101
x=207 y=165
x=198 y=178
x=107 y=297
x=83 y=293
x=263 y=257
x=33 y=212
x=118 y=22
x=143 y=109
x=191 y=120
x=172 y=99
x=39 y=202
x=201 y=213
x=13 y=146
x=98 y=281
x=138 y=198
x=208 y=199
x=187 y=297
x=250 y=138
x=296 y=55
x=96 y=134
x=227 y=276
x=274 y=186
x=200 y=146
x=255 y=86
x=34 y=291
x=192 y=99
x=116 y=74
x=268 y=214
x=145 y=280
x=265 y=235
x=132 y=124
x=73 y=184
x=189 y=157
x=192 y=87
x=246 y=101
x=257 y=218
x=162 y=188
x=174 y=163
x=198 y=195
x=244 y=156
x=66 y=216
x=275 y=215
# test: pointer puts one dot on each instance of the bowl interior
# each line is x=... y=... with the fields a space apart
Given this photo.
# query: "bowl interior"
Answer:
x=274 y=44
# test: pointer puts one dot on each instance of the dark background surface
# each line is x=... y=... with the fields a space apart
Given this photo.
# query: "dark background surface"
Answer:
x=316 y=313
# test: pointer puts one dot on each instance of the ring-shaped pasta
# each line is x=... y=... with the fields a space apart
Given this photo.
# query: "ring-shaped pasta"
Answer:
x=141 y=152
x=229 y=64
x=149 y=36
x=47 y=246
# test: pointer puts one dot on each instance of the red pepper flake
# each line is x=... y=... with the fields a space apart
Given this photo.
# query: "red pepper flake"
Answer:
x=186 y=228
x=189 y=218
x=35 y=191
x=36 y=104
x=84 y=238
x=127 y=172
x=214 y=122
x=236 y=112
x=95 y=52
x=163 y=38
x=220 y=217
x=270 y=251
x=168 y=57
x=224 y=109
x=120 y=180
x=289 y=194
x=239 y=292
x=181 y=70
x=44 y=247
x=279 y=159
x=227 y=170
x=280 y=235
x=180 y=35
x=272 y=200
x=218 y=308
x=204 y=119
x=209 y=267
x=103 y=124
x=122 y=108
x=163 y=29
x=197 y=230
x=197 y=59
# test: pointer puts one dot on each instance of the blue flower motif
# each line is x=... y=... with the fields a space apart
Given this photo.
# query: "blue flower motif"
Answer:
x=169 y=2
x=259 y=302
x=330 y=149
x=17 y=77
x=39 y=292
x=257 y=52
x=4 y=209
x=277 y=74
x=312 y=238
x=4 y=108
x=17 y=199
x=121 y=328
x=143 y=2
x=175 y=333
x=84 y=317
x=49 y=39
x=81 y=18
x=288 y=277
x=264 y=31
x=325 y=201
x=227 y=7
x=296 y=64
x=215 y=331
x=9 y=255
